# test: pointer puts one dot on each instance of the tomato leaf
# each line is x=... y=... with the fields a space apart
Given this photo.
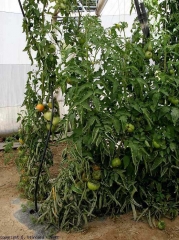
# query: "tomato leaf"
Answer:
x=116 y=124
x=96 y=103
x=126 y=161
x=89 y=123
x=175 y=114
x=156 y=163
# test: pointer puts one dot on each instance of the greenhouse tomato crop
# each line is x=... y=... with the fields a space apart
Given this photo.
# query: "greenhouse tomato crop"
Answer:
x=40 y=107
x=93 y=185
x=116 y=162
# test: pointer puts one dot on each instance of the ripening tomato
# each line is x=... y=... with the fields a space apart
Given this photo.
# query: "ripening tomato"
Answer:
x=95 y=167
x=40 y=107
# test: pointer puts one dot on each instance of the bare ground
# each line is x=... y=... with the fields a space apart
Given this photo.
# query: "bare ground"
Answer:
x=122 y=228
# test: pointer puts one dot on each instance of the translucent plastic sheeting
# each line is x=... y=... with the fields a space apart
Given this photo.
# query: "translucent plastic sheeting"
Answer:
x=10 y=6
x=12 y=40
x=117 y=7
x=14 y=66
x=8 y=121
x=12 y=79
x=109 y=20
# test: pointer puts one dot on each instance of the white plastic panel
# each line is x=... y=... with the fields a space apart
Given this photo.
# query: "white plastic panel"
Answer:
x=12 y=79
x=10 y=6
x=12 y=40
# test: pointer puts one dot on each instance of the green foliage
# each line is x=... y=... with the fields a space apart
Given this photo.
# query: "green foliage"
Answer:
x=109 y=85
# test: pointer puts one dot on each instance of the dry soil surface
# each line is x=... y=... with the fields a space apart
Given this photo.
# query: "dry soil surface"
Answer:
x=123 y=228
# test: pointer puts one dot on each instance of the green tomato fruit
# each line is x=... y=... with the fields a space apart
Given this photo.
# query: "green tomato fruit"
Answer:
x=161 y=225
x=93 y=185
x=130 y=127
x=173 y=100
x=53 y=128
x=117 y=25
x=48 y=115
x=116 y=162
x=148 y=55
x=172 y=71
x=156 y=144
x=56 y=121
x=150 y=48
x=96 y=175
x=49 y=105
x=52 y=48
x=62 y=6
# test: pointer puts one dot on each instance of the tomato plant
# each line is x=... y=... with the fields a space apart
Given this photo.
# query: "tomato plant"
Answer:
x=120 y=104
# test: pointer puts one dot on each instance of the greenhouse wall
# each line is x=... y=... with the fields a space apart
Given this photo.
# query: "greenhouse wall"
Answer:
x=14 y=65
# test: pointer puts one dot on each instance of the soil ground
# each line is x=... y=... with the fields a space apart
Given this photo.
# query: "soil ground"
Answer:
x=122 y=228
